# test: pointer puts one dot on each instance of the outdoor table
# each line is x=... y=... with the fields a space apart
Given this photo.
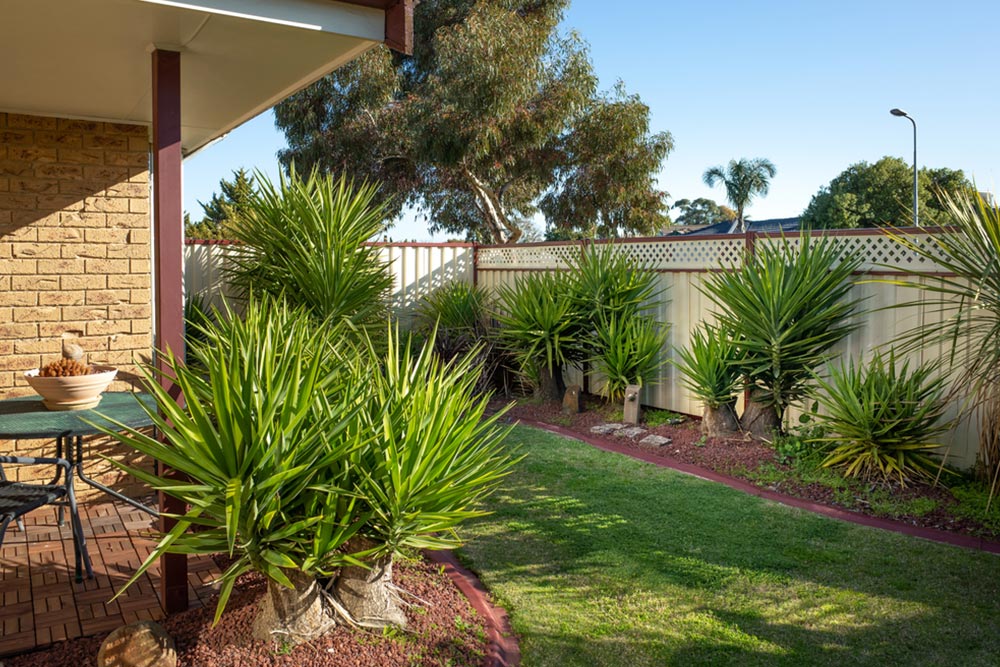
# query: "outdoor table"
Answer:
x=26 y=418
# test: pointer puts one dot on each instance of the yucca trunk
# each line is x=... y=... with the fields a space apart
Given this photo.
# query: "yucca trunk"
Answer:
x=293 y=615
x=551 y=385
x=988 y=457
x=759 y=419
x=721 y=421
x=368 y=594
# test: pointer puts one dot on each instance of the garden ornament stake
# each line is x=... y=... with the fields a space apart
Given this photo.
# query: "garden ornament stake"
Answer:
x=571 y=400
x=631 y=411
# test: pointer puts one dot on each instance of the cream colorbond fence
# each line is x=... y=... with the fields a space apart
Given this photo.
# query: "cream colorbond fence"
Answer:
x=682 y=265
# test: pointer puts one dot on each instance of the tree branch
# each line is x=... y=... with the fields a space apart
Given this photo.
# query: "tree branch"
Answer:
x=495 y=217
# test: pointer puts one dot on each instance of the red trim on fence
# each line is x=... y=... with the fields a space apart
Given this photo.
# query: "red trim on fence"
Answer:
x=421 y=244
x=475 y=265
x=955 y=539
x=879 y=231
x=378 y=244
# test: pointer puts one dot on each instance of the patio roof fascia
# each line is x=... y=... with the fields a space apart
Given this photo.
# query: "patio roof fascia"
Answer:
x=81 y=59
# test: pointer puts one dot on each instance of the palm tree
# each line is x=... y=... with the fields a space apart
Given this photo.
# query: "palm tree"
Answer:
x=744 y=179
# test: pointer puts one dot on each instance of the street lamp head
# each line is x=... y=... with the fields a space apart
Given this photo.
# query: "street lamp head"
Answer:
x=897 y=112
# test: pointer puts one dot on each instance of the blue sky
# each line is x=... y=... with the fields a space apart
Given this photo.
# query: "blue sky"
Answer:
x=805 y=84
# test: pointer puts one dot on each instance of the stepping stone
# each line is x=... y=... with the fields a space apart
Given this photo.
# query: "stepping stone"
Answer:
x=604 y=429
x=630 y=432
x=140 y=644
x=655 y=440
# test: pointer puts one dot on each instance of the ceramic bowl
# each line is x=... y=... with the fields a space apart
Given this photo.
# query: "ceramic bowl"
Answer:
x=76 y=392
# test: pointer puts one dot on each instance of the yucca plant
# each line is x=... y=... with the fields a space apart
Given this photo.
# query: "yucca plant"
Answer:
x=198 y=318
x=540 y=328
x=629 y=350
x=305 y=240
x=711 y=370
x=884 y=419
x=605 y=282
x=963 y=288
x=262 y=447
x=459 y=317
x=434 y=457
x=786 y=307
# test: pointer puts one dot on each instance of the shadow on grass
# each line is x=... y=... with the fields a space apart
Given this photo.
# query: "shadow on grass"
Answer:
x=605 y=560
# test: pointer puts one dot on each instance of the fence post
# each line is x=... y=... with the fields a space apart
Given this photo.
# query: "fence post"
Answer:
x=475 y=264
x=750 y=241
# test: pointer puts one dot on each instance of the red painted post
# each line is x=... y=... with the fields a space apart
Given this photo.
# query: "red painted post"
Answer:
x=168 y=274
x=750 y=240
x=475 y=265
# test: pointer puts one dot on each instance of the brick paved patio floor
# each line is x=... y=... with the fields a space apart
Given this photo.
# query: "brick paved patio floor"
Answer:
x=41 y=602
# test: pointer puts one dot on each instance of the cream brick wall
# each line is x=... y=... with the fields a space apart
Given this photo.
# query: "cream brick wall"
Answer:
x=74 y=250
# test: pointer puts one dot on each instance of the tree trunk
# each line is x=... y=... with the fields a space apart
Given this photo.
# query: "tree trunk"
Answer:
x=551 y=386
x=759 y=420
x=368 y=594
x=492 y=209
x=720 y=422
x=293 y=615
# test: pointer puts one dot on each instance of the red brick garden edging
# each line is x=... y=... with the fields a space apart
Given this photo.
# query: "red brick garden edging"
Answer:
x=503 y=650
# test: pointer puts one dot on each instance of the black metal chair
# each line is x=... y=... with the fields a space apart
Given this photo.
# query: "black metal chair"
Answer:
x=19 y=498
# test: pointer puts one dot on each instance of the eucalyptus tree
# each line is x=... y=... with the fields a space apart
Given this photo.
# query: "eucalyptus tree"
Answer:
x=494 y=118
x=743 y=179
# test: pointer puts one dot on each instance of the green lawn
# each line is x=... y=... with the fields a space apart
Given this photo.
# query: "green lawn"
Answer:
x=604 y=560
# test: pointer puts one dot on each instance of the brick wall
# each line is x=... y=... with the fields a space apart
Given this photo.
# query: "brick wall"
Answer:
x=74 y=250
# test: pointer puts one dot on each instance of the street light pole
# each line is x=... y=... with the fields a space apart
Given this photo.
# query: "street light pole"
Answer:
x=903 y=114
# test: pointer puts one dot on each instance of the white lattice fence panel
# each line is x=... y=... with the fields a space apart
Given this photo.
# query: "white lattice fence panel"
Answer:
x=879 y=252
x=685 y=254
x=527 y=256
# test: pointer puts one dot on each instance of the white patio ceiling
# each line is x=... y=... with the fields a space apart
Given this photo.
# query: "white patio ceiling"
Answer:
x=90 y=59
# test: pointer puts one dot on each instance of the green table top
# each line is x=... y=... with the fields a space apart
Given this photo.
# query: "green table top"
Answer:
x=27 y=418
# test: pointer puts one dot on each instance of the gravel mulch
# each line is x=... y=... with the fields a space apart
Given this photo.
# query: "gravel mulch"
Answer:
x=443 y=630
x=736 y=457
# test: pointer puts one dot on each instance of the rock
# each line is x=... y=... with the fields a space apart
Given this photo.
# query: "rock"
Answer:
x=571 y=400
x=604 y=429
x=655 y=440
x=72 y=351
x=141 y=644
x=630 y=432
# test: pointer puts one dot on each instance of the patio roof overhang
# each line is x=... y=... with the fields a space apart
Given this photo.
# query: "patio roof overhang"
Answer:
x=89 y=59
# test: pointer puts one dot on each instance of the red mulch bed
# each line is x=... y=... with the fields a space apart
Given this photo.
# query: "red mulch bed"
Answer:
x=736 y=457
x=443 y=630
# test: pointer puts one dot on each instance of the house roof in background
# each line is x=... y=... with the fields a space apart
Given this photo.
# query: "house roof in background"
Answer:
x=772 y=225
x=90 y=59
